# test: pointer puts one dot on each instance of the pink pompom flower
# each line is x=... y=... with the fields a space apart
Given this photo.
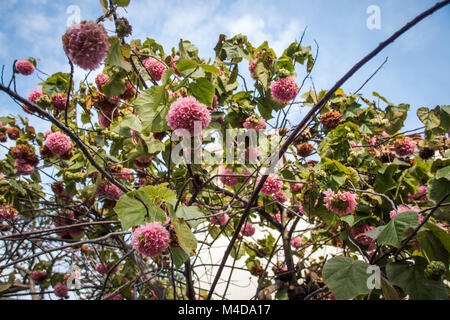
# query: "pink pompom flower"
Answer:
x=296 y=187
x=155 y=67
x=296 y=242
x=59 y=101
x=405 y=146
x=34 y=95
x=142 y=163
x=420 y=195
x=340 y=203
x=284 y=89
x=358 y=233
x=254 y=123
x=103 y=121
x=220 y=219
x=126 y=174
x=151 y=239
x=23 y=168
x=185 y=112
x=280 y=197
x=248 y=229
x=58 y=143
x=24 y=67
x=103 y=268
x=251 y=68
x=100 y=80
x=402 y=208
x=109 y=191
x=111 y=296
x=229 y=180
x=86 y=44
x=7 y=212
x=272 y=185
x=61 y=290
x=38 y=276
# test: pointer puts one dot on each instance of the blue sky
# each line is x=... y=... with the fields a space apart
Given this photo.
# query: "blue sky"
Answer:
x=416 y=73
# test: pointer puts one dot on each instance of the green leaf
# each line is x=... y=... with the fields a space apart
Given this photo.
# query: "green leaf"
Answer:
x=115 y=57
x=210 y=69
x=441 y=234
x=347 y=278
x=4 y=286
x=203 y=90
x=389 y=292
x=114 y=88
x=186 y=66
x=121 y=3
x=438 y=189
x=179 y=257
x=429 y=118
x=385 y=181
x=142 y=205
x=189 y=213
x=433 y=247
x=56 y=83
x=186 y=238
x=151 y=109
x=412 y=280
x=129 y=121
x=443 y=173
x=445 y=117
x=396 y=116
x=398 y=229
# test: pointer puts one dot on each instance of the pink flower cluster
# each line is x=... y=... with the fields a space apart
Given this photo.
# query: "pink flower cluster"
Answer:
x=220 y=220
x=340 y=203
x=272 y=185
x=116 y=296
x=34 y=95
x=151 y=239
x=420 y=195
x=86 y=44
x=254 y=122
x=296 y=187
x=66 y=219
x=38 y=276
x=104 y=268
x=58 y=143
x=405 y=146
x=59 y=101
x=173 y=64
x=101 y=80
x=252 y=66
x=24 y=67
x=229 y=181
x=296 y=242
x=142 y=163
x=7 y=212
x=402 y=208
x=277 y=216
x=61 y=290
x=109 y=191
x=126 y=174
x=280 y=197
x=248 y=229
x=154 y=67
x=185 y=112
x=357 y=233
x=284 y=89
